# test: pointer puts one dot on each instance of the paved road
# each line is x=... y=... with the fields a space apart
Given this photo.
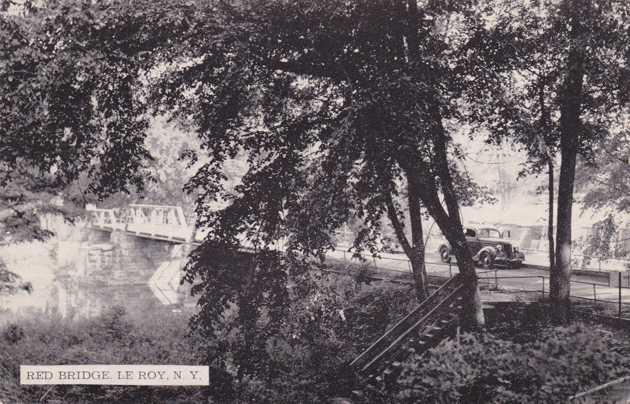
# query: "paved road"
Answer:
x=525 y=279
x=522 y=279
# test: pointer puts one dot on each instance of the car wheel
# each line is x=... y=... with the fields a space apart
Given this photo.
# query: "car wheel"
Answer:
x=445 y=256
x=486 y=260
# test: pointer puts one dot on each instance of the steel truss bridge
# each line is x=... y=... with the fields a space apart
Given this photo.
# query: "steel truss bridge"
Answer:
x=158 y=222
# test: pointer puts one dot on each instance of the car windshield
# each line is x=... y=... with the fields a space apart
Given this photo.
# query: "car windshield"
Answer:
x=490 y=233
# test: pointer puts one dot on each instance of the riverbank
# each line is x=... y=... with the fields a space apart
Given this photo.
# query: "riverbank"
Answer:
x=300 y=361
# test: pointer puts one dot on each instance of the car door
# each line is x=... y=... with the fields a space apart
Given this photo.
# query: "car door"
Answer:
x=472 y=241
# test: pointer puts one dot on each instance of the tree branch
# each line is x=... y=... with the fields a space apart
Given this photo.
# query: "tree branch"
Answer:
x=398 y=226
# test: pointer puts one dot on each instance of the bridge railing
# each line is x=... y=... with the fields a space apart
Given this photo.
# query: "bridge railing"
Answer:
x=154 y=214
x=153 y=221
x=138 y=214
x=102 y=217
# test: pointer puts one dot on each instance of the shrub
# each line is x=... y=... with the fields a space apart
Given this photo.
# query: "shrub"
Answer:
x=13 y=333
x=483 y=368
x=325 y=329
x=107 y=339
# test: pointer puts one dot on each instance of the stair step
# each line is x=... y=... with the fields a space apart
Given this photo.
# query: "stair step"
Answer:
x=430 y=320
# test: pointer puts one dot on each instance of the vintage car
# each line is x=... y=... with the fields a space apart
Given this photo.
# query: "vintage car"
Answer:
x=489 y=246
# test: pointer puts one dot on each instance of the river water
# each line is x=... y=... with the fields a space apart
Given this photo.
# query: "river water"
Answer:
x=63 y=287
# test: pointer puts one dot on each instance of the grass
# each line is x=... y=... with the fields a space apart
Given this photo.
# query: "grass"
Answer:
x=107 y=339
x=306 y=353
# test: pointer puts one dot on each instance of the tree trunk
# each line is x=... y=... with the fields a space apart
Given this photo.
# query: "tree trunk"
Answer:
x=426 y=189
x=417 y=241
x=408 y=27
x=552 y=249
x=570 y=110
x=452 y=228
x=546 y=147
x=415 y=251
x=473 y=311
x=454 y=231
x=419 y=272
x=560 y=275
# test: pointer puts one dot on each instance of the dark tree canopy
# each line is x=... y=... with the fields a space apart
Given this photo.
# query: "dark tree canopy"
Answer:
x=344 y=111
x=567 y=87
x=605 y=179
x=341 y=110
x=72 y=92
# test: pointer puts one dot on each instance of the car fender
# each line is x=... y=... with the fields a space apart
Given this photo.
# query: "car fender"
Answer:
x=444 y=245
x=487 y=249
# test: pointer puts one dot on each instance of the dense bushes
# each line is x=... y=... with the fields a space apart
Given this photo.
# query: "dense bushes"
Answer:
x=520 y=360
x=107 y=339
x=483 y=368
x=324 y=328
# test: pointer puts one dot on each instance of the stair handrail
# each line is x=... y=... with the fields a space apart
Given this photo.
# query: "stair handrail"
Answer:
x=396 y=327
x=411 y=329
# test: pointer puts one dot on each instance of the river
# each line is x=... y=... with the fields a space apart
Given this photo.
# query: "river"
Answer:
x=64 y=287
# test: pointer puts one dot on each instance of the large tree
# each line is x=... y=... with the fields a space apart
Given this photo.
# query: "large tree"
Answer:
x=605 y=181
x=72 y=127
x=591 y=92
x=520 y=105
x=339 y=108
x=73 y=123
x=567 y=87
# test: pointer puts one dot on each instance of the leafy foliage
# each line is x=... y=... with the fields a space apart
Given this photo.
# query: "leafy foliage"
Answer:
x=340 y=109
x=520 y=361
x=483 y=368
x=566 y=88
x=525 y=105
x=605 y=180
x=324 y=324
x=244 y=296
x=600 y=240
x=74 y=117
x=170 y=170
x=109 y=339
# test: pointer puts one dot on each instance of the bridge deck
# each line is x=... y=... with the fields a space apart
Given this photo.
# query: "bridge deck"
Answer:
x=174 y=234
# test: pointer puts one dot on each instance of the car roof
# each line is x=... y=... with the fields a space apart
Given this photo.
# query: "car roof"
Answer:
x=477 y=228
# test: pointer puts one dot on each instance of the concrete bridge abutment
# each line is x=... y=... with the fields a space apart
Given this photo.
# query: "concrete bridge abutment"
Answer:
x=118 y=257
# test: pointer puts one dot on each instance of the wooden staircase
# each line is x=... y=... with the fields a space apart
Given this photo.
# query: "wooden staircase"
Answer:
x=418 y=331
